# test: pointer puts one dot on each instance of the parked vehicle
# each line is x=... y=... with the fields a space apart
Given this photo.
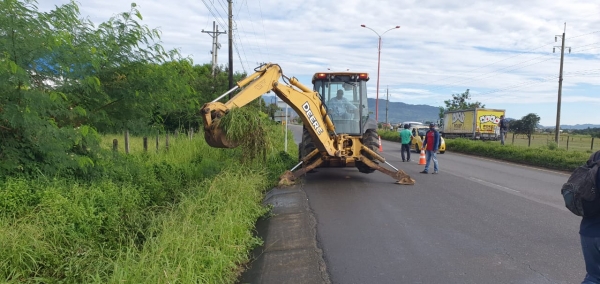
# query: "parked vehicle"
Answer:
x=476 y=123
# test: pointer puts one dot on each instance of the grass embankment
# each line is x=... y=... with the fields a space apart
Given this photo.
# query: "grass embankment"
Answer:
x=545 y=154
x=185 y=215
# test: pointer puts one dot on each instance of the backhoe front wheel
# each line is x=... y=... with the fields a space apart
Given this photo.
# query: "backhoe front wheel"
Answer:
x=371 y=140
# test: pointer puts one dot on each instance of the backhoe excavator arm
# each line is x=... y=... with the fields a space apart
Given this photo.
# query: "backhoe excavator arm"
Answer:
x=302 y=99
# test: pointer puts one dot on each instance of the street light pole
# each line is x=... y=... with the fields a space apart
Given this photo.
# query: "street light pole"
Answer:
x=378 y=67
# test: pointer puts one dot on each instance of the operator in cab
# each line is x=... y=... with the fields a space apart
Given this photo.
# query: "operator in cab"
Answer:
x=340 y=108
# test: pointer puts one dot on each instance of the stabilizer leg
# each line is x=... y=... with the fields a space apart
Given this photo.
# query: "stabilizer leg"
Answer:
x=289 y=177
x=400 y=176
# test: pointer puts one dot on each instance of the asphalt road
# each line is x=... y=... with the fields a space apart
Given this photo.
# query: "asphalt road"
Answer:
x=478 y=221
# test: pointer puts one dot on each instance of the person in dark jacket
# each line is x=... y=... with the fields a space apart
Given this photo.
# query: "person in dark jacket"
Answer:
x=589 y=232
x=431 y=144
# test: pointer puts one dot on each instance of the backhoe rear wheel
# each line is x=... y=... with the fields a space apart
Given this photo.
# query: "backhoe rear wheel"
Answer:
x=371 y=140
x=306 y=146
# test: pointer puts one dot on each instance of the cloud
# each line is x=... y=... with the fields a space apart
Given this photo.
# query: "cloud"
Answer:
x=500 y=50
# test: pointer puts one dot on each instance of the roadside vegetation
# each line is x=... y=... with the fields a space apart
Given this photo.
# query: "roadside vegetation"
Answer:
x=523 y=143
x=74 y=211
x=543 y=151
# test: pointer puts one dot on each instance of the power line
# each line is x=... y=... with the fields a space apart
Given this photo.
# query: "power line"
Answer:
x=496 y=71
x=221 y=4
x=218 y=19
x=253 y=30
x=510 y=57
x=526 y=83
x=543 y=80
x=238 y=53
x=584 y=34
x=590 y=48
x=586 y=45
x=262 y=20
x=243 y=49
x=522 y=52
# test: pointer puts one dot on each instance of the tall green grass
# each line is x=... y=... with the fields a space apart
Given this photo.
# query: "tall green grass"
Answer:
x=184 y=215
x=203 y=239
x=553 y=158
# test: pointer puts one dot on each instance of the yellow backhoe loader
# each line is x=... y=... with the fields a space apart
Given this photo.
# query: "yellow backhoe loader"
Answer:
x=337 y=129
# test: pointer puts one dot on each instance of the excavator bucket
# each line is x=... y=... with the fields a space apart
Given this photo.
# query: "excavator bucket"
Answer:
x=216 y=137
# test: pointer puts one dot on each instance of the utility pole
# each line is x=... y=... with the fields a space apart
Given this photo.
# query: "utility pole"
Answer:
x=560 y=79
x=215 y=45
x=387 y=100
x=230 y=46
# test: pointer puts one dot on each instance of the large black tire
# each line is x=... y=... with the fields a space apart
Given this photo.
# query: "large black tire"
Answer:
x=371 y=140
x=306 y=146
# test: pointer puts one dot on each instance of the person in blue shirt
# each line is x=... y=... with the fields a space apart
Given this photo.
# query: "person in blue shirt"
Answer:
x=589 y=232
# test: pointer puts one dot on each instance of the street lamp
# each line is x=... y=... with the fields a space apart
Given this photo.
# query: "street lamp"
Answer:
x=378 y=67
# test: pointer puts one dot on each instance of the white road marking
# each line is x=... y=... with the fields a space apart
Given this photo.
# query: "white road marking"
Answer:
x=493 y=184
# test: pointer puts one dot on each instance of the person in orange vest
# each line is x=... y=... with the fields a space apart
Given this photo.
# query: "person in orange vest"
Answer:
x=431 y=144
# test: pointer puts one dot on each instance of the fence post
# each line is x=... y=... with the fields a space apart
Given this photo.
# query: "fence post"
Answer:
x=145 y=144
x=156 y=142
x=513 y=140
x=167 y=141
x=115 y=145
x=567 y=143
x=126 y=141
x=592 y=147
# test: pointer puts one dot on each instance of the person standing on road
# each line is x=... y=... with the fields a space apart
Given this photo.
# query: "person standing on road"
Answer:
x=405 y=139
x=589 y=233
x=431 y=144
x=503 y=129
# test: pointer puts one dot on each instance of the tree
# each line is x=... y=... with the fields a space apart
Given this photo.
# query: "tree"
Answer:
x=526 y=125
x=458 y=102
x=60 y=78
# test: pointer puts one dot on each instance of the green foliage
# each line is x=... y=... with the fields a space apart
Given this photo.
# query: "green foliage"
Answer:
x=204 y=238
x=594 y=132
x=460 y=101
x=188 y=211
x=244 y=126
x=389 y=135
x=526 y=125
x=59 y=74
x=558 y=159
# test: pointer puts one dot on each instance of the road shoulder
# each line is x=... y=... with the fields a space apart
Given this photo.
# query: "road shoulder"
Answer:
x=290 y=253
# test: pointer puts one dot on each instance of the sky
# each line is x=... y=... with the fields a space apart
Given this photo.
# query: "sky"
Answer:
x=502 y=51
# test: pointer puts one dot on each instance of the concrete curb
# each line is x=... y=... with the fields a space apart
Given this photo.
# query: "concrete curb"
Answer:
x=290 y=253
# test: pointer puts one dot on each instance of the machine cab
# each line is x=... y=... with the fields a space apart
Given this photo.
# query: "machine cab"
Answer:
x=345 y=97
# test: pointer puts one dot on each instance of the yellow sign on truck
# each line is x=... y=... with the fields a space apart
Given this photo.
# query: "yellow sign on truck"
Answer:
x=479 y=123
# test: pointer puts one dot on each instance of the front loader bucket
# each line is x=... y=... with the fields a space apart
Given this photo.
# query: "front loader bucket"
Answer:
x=216 y=137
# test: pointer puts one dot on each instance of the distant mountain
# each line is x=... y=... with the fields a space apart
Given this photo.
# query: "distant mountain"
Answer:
x=578 y=126
x=573 y=127
x=397 y=112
